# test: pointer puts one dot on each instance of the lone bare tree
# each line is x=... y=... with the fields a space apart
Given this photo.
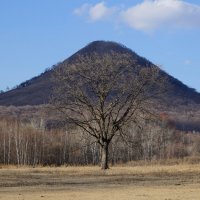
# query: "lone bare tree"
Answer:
x=102 y=93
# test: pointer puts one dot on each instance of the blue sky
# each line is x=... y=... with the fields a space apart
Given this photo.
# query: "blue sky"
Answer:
x=36 y=34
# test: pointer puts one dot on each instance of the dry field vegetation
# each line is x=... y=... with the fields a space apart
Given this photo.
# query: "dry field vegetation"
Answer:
x=147 y=182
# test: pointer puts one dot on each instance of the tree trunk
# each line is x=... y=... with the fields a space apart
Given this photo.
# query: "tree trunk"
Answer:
x=104 y=156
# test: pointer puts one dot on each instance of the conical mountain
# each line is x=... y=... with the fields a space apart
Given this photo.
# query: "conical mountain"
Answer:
x=37 y=90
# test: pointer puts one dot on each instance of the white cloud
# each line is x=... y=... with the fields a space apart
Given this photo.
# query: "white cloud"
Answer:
x=99 y=11
x=82 y=10
x=187 y=62
x=153 y=14
x=148 y=15
x=95 y=12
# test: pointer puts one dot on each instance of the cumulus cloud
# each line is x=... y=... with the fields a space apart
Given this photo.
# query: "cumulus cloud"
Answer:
x=153 y=14
x=99 y=11
x=95 y=12
x=148 y=15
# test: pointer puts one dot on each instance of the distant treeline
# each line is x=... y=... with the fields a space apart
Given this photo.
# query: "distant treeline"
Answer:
x=31 y=144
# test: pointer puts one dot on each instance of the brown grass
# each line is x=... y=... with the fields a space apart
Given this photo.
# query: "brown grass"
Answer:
x=150 y=182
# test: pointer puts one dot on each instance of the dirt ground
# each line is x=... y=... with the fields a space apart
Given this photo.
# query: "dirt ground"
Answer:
x=178 y=182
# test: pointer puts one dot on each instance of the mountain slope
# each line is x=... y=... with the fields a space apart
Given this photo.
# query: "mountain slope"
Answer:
x=38 y=90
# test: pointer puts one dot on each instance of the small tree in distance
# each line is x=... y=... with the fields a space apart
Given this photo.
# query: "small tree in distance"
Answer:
x=101 y=94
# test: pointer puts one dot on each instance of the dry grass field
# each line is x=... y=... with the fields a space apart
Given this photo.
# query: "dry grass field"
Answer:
x=152 y=182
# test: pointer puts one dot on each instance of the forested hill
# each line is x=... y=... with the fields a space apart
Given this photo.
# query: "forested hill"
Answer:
x=37 y=90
